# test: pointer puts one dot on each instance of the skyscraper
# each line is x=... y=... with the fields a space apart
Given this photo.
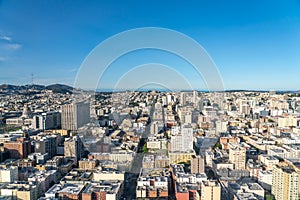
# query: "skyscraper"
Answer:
x=285 y=182
x=195 y=98
x=49 y=120
x=75 y=115
x=183 y=98
x=237 y=156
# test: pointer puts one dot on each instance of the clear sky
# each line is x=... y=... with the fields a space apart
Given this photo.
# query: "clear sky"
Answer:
x=255 y=44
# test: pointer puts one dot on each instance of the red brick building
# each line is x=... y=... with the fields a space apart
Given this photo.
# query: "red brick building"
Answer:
x=19 y=149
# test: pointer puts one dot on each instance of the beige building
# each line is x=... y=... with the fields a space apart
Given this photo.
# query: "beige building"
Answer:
x=20 y=191
x=177 y=156
x=268 y=161
x=87 y=164
x=161 y=161
x=287 y=121
x=210 y=190
x=285 y=182
x=75 y=115
x=237 y=156
x=197 y=165
x=73 y=148
x=104 y=175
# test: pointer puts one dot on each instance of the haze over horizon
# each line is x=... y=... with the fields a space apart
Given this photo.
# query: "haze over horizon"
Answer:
x=255 y=45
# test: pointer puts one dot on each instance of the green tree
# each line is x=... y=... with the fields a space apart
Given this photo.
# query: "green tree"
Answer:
x=218 y=145
x=145 y=149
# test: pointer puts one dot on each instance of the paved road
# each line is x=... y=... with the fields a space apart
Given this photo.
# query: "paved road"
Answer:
x=131 y=177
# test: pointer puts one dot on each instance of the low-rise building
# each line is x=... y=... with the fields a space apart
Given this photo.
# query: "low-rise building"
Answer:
x=21 y=191
x=65 y=191
x=87 y=164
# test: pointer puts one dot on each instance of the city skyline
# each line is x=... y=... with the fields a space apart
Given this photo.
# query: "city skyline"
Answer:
x=255 y=45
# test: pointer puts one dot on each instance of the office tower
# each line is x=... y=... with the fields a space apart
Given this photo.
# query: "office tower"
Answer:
x=154 y=128
x=245 y=109
x=170 y=99
x=187 y=134
x=183 y=98
x=46 y=145
x=182 y=138
x=210 y=190
x=75 y=115
x=45 y=121
x=221 y=126
x=73 y=148
x=18 y=149
x=285 y=182
x=237 y=156
x=195 y=97
x=195 y=116
x=197 y=165
x=202 y=103
x=164 y=100
x=187 y=119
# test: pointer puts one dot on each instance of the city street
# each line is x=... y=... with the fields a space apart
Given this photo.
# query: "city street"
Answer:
x=132 y=175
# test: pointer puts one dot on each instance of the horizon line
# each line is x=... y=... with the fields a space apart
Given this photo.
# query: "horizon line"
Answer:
x=159 y=89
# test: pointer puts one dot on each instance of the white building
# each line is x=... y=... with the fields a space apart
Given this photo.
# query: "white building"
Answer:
x=265 y=179
x=121 y=157
x=181 y=138
x=9 y=175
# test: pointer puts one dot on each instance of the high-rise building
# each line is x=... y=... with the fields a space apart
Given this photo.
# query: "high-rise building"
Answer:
x=46 y=145
x=182 y=138
x=73 y=148
x=285 y=182
x=237 y=156
x=245 y=109
x=154 y=128
x=183 y=98
x=170 y=99
x=197 y=165
x=195 y=98
x=45 y=121
x=210 y=190
x=75 y=115
x=221 y=126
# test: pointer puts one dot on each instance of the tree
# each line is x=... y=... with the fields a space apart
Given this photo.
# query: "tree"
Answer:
x=218 y=145
x=145 y=149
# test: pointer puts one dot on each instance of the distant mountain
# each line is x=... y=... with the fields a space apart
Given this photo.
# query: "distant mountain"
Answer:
x=9 y=87
x=60 y=88
x=55 y=88
x=34 y=87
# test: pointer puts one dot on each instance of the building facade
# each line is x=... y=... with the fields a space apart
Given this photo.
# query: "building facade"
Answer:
x=75 y=115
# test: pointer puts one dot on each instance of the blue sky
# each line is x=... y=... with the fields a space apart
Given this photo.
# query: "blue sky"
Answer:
x=255 y=44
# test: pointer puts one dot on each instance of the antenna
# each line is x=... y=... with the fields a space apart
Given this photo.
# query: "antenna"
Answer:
x=32 y=78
